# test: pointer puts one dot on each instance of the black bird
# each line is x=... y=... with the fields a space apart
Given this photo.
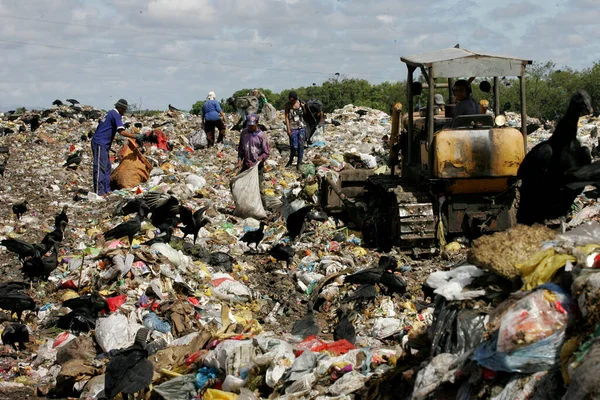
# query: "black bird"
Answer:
x=129 y=371
x=170 y=222
x=192 y=222
x=80 y=320
x=363 y=292
x=16 y=302
x=94 y=302
x=361 y=113
x=47 y=112
x=34 y=123
x=164 y=238
x=56 y=236
x=130 y=206
x=138 y=125
x=61 y=216
x=393 y=282
x=2 y=168
x=254 y=236
x=282 y=252
x=20 y=208
x=57 y=103
x=15 y=334
x=24 y=249
x=127 y=125
x=162 y=206
x=222 y=260
x=543 y=192
x=344 y=329
x=306 y=326
x=129 y=229
x=41 y=267
x=50 y=120
x=7 y=287
x=73 y=160
x=295 y=222
x=281 y=147
x=366 y=276
x=171 y=108
x=72 y=101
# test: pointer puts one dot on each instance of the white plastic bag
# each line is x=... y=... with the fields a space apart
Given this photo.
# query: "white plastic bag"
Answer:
x=198 y=139
x=450 y=284
x=115 y=332
x=245 y=189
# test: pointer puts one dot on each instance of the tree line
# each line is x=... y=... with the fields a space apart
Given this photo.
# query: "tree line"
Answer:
x=548 y=91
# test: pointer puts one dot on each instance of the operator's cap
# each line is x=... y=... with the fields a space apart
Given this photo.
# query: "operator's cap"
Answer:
x=252 y=119
x=122 y=103
x=438 y=99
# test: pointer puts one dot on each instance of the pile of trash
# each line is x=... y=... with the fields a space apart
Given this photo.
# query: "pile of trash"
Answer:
x=241 y=302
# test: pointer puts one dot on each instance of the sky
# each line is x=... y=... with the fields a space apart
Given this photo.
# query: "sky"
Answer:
x=160 y=52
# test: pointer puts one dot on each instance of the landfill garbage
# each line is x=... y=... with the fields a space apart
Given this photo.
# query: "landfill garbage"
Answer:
x=225 y=309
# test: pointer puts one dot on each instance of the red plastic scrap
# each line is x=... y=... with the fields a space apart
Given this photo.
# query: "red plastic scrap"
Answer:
x=338 y=347
x=217 y=282
x=115 y=302
x=60 y=339
x=70 y=284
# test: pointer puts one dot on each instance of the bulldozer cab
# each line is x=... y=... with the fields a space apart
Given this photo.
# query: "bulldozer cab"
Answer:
x=478 y=147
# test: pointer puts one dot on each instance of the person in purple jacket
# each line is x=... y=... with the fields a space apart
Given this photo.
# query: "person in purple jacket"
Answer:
x=101 y=142
x=253 y=147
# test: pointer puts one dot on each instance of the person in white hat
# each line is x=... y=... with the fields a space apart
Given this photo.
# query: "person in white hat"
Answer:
x=213 y=117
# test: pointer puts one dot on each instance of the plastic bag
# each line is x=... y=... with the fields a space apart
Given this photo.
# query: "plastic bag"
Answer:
x=179 y=388
x=269 y=112
x=532 y=333
x=245 y=189
x=198 y=139
x=450 y=284
x=151 y=321
x=204 y=375
x=115 y=332
x=585 y=234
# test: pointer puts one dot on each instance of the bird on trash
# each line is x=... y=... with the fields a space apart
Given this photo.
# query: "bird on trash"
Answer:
x=39 y=267
x=8 y=287
x=192 y=222
x=344 y=328
x=15 y=334
x=130 y=206
x=57 y=103
x=164 y=238
x=80 y=320
x=161 y=205
x=295 y=222
x=129 y=228
x=282 y=252
x=171 y=108
x=129 y=371
x=56 y=236
x=61 y=216
x=543 y=194
x=73 y=160
x=16 y=302
x=392 y=282
x=72 y=101
x=372 y=275
x=93 y=302
x=2 y=168
x=20 y=208
x=34 y=123
x=255 y=236
x=306 y=326
x=363 y=292
x=24 y=249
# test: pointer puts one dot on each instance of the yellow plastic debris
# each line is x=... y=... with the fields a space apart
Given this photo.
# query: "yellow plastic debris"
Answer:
x=269 y=192
x=311 y=189
x=167 y=167
x=453 y=247
x=541 y=267
x=359 y=251
x=214 y=394
x=69 y=294
x=381 y=170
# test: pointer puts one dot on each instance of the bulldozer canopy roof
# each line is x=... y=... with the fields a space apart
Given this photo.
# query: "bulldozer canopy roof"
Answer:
x=453 y=63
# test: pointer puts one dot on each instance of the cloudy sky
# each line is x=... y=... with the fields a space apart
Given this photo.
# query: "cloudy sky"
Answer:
x=174 y=51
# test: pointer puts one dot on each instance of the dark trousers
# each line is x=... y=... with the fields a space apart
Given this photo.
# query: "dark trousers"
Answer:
x=209 y=128
x=102 y=168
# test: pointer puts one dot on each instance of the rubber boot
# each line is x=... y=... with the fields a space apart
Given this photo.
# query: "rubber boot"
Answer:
x=292 y=155
x=220 y=138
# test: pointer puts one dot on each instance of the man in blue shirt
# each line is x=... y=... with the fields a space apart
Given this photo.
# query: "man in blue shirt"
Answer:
x=101 y=142
x=213 y=117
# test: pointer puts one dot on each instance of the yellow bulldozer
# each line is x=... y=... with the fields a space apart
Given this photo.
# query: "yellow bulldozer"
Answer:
x=450 y=176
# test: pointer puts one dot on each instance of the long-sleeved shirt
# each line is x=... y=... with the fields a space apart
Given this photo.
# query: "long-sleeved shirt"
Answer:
x=253 y=147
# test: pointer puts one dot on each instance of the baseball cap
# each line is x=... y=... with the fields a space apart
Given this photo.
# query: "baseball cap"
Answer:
x=122 y=103
x=252 y=119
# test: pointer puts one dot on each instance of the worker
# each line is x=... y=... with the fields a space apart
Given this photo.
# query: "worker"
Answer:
x=253 y=147
x=101 y=143
x=439 y=104
x=465 y=104
x=213 y=117
x=262 y=99
x=296 y=127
